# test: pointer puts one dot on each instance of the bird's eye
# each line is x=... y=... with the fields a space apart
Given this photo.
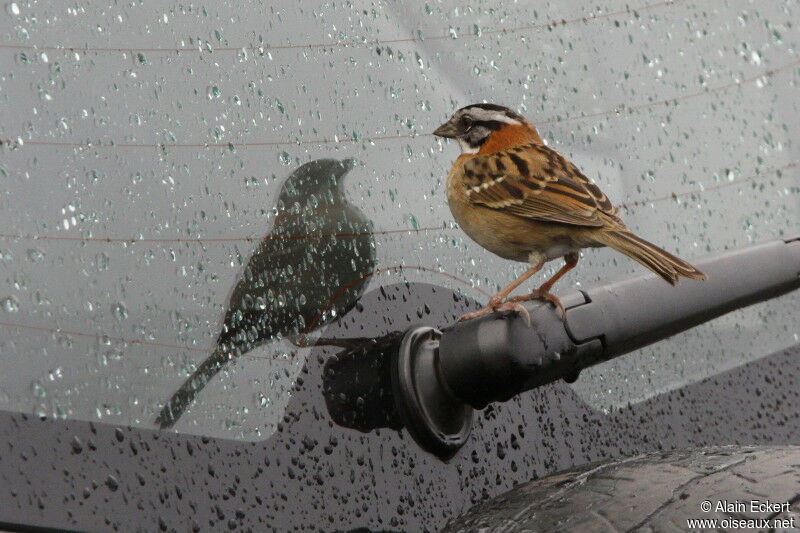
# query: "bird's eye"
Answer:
x=466 y=123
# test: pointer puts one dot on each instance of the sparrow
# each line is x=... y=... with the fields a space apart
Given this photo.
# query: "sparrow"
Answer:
x=311 y=269
x=523 y=201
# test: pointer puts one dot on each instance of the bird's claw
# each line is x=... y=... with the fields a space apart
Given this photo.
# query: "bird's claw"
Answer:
x=477 y=314
x=515 y=305
x=501 y=307
x=542 y=295
x=518 y=308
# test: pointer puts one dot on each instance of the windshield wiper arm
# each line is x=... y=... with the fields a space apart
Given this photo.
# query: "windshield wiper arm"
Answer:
x=437 y=375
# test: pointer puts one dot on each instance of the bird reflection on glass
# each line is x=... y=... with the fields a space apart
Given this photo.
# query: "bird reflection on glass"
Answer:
x=312 y=268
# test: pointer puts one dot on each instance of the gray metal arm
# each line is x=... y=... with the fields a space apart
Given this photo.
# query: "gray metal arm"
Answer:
x=494 y=358
x=640 y=311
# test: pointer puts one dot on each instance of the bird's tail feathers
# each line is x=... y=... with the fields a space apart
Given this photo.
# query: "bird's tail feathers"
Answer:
x=660 y=261
x=195 y=383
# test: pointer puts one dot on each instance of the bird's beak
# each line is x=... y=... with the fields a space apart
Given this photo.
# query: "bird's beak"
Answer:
x=446 y=130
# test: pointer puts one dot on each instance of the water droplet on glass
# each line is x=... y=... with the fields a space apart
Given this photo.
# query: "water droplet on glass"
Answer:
x=38 y=390
x=35 y=255
x=10 y=304
x=119 y=311
x=112 y=483
x=263 y=401
x=102 y=261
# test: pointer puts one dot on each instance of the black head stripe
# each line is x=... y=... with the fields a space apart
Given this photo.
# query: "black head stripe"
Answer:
x=480 y=131
x=493 y=125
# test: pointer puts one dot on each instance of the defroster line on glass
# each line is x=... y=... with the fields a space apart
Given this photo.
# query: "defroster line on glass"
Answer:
x=206 y=47
x=104 y=337
x=618 y=111
x=407 y=231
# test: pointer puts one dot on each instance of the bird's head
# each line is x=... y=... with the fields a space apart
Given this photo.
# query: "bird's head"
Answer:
x=487 y=128
x=318 y=176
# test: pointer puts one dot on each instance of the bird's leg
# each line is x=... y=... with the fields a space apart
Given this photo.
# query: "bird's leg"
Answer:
x=543 y=292
x=496 y=302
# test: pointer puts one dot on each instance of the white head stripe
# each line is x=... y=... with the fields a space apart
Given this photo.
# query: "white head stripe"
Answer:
x=487 y=115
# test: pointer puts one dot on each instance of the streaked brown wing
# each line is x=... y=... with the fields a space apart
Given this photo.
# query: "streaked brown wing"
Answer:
x=534 y=181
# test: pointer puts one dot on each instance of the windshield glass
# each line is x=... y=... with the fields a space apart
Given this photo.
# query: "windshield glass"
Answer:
x=215 y=182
